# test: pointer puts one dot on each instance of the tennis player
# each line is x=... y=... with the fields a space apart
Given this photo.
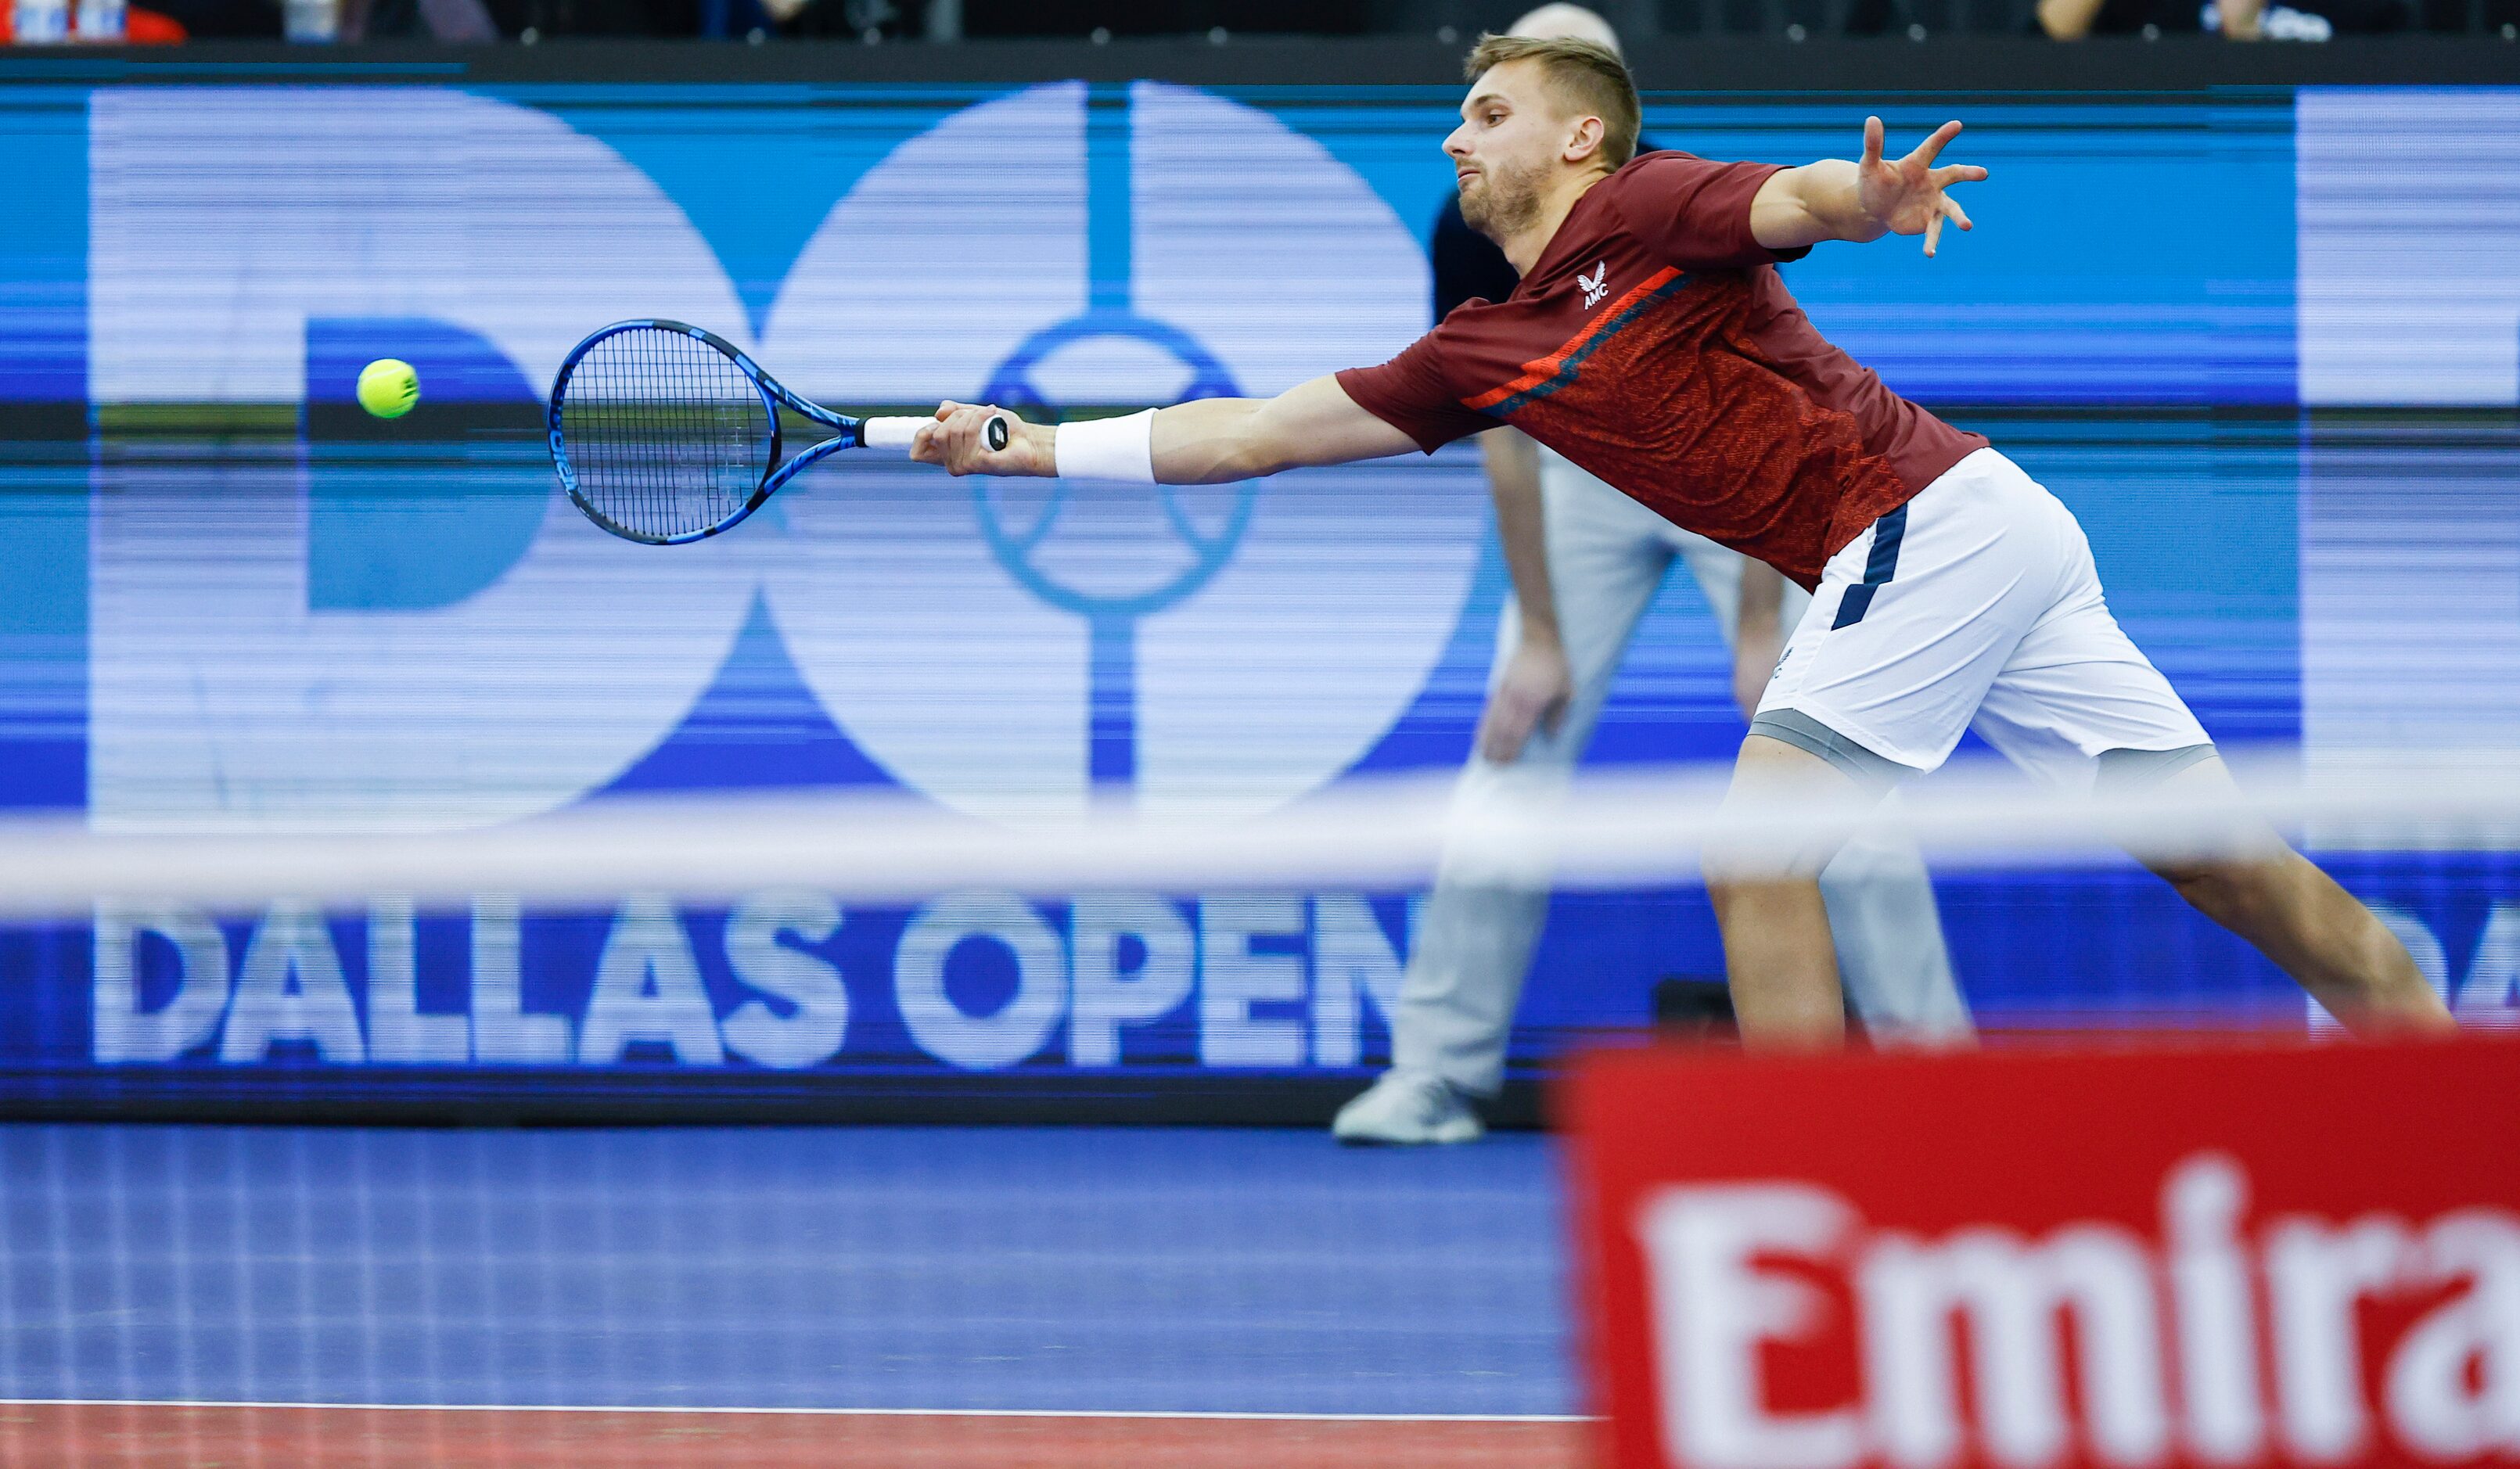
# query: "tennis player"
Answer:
x=1651 y=341
x=1586 y=561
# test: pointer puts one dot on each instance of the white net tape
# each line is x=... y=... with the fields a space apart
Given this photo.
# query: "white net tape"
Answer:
x=1638 y=827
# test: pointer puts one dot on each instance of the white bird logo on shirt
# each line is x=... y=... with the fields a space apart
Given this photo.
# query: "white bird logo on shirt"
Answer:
x=1595 y=285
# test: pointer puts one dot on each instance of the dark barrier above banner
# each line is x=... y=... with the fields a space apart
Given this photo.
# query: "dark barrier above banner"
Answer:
x=1984 y=66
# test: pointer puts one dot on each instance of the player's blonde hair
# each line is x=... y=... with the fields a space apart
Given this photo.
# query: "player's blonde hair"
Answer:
x=1586 y=75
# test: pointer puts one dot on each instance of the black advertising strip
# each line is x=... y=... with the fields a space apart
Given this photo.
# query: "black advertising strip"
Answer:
x=1983 y=66
x=571 y=1097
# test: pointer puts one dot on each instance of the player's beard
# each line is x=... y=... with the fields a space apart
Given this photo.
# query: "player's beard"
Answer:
x=1505 y=204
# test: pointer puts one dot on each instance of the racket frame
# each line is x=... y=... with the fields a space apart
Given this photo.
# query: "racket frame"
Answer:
x=773 y=396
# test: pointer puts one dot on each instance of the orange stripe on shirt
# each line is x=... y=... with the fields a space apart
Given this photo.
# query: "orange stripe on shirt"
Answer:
x=1537 y=373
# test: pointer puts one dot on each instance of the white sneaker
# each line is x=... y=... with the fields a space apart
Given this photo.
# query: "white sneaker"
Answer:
x=1407 y=1107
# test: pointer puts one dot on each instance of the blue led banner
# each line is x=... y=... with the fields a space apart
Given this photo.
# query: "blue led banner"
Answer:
x=290 y=628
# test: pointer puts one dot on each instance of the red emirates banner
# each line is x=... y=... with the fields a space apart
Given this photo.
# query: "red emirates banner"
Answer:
x=2301 y=1254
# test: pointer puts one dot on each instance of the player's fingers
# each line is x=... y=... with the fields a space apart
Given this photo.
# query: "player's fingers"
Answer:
x=961 y=436
x=1933 y=231
x=1935 y=141
x=977 y=426
x=976 y=420
x=1958 y=215
x=1956 y=174
x=933 y=443
x=1871 y=142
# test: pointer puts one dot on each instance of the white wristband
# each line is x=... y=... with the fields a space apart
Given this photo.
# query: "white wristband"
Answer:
x=1106 y=449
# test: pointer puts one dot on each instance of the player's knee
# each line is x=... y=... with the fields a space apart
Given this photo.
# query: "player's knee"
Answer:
x=1759 y=844
x=2198 y=881
x=2232 y=887
x=1733 y=866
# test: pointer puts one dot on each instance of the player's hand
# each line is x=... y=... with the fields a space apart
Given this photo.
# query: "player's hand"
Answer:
x=958 y=441
x=1537 y=687
x=1905 y=196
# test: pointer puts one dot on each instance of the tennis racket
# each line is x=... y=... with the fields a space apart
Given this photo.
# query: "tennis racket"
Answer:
x=665 y=433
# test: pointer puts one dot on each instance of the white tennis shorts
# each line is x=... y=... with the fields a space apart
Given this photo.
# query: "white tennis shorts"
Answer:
x=1976 y=602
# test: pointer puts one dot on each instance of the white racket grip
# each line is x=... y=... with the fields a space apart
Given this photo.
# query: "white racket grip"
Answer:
x=901 y=433
x=890 y=433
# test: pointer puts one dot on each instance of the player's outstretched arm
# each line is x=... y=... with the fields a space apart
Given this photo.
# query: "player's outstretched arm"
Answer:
x=1207 y=441
x=1836 y=200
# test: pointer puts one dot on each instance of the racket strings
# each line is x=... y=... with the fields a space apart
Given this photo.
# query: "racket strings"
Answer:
x=665 y=434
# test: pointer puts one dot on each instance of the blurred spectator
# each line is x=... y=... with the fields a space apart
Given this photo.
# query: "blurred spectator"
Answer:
x=140 y=27
x=1121 y=18
x=165 y=21
x=596 y=18
x=217 y=19
x=862 y=18
x=465 y=21
x=2235 y=20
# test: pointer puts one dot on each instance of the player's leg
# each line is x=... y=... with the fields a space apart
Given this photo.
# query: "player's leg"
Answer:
x=1911 y=624
x=2298 y=916
x=1779 y=957
x=1890 y=956
x=2079 y=703
x=1479 y=925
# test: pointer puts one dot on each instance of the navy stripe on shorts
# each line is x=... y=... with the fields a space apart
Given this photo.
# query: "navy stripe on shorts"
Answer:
x=1878 y=569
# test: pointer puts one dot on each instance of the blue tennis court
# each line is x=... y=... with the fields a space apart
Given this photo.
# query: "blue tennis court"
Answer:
x=1096 y=1271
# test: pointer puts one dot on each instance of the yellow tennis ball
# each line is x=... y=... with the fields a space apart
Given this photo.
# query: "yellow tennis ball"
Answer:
x=388 y=387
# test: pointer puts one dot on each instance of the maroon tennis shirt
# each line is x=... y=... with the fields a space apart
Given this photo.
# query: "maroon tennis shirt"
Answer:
x=1653 y=344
